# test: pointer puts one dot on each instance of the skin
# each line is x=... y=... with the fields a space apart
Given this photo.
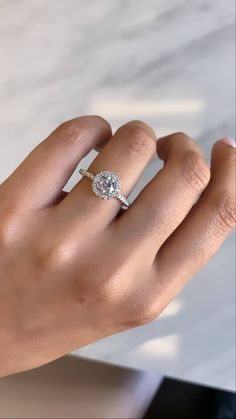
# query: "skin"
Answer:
x=75 y=268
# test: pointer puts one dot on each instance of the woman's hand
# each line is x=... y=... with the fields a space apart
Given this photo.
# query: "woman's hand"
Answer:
x=73 y=267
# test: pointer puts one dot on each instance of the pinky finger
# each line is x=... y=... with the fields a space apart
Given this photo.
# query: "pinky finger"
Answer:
x=205 y=228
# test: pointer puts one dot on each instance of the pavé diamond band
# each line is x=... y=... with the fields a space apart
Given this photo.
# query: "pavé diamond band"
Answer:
x=106 y=185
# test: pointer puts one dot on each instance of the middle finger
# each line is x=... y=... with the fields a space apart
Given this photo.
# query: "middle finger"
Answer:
x=166 y=200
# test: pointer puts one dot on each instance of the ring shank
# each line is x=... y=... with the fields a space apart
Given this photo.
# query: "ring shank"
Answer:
x=125 y=203
x=89 y=175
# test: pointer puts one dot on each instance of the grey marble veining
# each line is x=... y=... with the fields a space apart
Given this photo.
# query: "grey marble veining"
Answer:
x=167 y=62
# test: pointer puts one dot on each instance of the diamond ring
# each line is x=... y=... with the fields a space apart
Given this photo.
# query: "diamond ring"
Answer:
x=106 y=185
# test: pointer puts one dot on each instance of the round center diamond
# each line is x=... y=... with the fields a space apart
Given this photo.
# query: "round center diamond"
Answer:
x=106 y=184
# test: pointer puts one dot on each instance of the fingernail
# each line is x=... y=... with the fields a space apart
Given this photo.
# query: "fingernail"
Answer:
x=229 y=142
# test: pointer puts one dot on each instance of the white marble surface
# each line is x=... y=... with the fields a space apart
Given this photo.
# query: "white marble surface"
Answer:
x=168 y=62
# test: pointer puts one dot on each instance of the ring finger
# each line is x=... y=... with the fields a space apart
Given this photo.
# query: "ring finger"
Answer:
x=127 y=154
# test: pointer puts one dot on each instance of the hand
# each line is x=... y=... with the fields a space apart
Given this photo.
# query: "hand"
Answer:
x=73 y=267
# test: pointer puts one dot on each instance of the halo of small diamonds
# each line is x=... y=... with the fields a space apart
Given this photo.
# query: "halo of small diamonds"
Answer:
x=106 y=185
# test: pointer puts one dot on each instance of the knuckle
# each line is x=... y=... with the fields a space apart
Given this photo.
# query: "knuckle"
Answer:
x=7 y=229
x=72 y=132
x=104 y=287
x=5 y=234
x=225 y=212
x=111 y=288
x=54 y=259
x=195 y=170
x=141 y=311
x=139 y=141
x=98 y=119
x=182 y=135
x=106 y=292
x=146 y=313
x=86 y=292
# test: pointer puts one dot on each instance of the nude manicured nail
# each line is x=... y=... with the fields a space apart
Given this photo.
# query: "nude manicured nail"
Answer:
x=229 y=142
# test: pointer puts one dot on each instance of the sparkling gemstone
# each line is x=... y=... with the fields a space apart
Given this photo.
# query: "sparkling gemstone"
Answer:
x=106 y=184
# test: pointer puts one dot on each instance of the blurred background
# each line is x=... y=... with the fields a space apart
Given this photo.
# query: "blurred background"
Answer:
x=170 y=63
